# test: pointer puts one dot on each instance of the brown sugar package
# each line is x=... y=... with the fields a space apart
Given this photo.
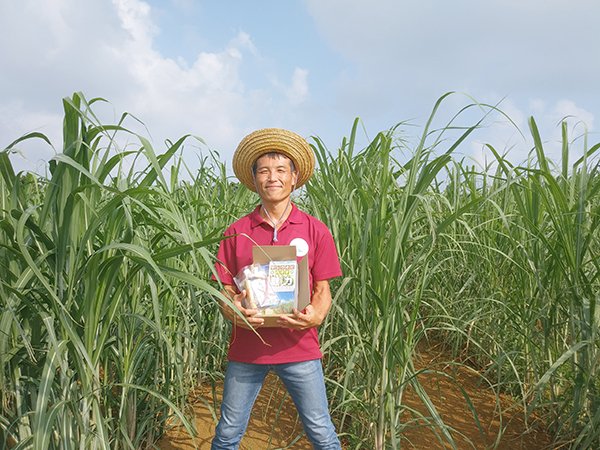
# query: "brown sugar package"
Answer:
x=286 y=288
x=271 y=288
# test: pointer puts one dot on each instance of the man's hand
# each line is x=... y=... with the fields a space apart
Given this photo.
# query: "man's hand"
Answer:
x=232 y=316
x=301 y=320
x=314 y=314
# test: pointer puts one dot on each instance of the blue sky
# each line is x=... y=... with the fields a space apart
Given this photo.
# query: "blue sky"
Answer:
x=221 y=69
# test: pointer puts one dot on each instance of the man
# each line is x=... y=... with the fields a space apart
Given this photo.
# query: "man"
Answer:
x=273 y=162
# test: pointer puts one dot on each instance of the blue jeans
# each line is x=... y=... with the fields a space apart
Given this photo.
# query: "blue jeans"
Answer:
x=305 y=383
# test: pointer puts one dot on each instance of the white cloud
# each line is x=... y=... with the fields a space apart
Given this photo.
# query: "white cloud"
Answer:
x=295 y=92
x=579 y=121
x=391 y=61
x=569 y=111
x=135 y=19
x=537 y=105
x=244 y=41
x=298 y=91
x=548 y=117
x=405 y=55
x=506 y=128
x=108 y=50
x=31 y=155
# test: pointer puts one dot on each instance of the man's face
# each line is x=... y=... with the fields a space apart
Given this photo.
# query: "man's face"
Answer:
x=274 y=178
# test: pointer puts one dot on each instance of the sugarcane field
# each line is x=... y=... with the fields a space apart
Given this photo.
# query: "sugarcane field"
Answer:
x=467 y=314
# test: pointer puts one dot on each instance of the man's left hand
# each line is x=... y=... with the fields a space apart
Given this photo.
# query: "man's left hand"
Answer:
x=301 y=320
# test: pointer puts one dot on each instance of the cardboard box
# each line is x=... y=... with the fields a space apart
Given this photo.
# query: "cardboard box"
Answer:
x=264 y=254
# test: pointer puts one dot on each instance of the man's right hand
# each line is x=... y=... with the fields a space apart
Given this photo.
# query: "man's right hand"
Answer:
x=232 y=316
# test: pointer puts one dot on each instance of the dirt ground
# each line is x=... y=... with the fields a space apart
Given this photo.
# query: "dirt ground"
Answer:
x=447 y=390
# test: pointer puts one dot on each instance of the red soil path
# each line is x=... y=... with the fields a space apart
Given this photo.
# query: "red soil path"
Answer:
x=274 y=422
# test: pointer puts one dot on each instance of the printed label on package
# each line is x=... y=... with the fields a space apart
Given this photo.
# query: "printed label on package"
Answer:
x=282 y=275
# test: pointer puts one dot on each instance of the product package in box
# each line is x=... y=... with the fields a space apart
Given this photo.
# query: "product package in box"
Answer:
x=275 y=282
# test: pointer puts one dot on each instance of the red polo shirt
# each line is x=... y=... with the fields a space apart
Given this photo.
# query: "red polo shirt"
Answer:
x=283 y=345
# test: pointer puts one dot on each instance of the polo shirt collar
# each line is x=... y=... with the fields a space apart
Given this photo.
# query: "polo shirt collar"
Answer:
x=295 y=216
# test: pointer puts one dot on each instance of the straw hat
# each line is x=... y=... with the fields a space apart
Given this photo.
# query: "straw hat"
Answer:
x=270 y=140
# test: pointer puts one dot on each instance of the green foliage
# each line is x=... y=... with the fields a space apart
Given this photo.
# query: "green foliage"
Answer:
x=106 y=302
x=108 y=317
x=501 y=267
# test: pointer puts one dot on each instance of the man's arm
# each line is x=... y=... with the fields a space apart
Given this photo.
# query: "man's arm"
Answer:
x=232 y=316
x=315 y=313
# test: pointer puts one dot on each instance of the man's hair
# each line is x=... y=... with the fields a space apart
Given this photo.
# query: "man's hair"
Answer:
x=272 y=155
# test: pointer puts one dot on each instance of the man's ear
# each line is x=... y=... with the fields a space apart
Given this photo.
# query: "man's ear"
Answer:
x=295 y=176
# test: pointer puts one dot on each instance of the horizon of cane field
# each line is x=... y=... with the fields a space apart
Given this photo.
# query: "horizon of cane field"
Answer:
x=109 y=320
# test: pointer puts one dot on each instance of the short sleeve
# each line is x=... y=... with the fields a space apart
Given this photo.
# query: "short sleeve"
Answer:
x=326 y=262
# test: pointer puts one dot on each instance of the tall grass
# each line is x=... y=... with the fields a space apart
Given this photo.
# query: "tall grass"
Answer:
x=533 y=283
x=385 y=230
x=108 y=319
x=105 y=292
x=502 y=267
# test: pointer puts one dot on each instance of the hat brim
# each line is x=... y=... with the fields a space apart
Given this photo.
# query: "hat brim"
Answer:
x=269 y=140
